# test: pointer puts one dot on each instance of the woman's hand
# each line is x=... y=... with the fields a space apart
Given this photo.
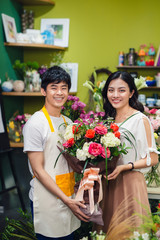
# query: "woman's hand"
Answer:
x=116 y=172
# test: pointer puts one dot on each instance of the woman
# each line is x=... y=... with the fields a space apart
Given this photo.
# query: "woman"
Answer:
x=127 y=180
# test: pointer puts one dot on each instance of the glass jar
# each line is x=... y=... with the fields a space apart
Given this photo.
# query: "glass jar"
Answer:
x=131 y=57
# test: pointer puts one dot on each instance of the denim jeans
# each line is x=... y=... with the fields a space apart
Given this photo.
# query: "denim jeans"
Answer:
x=41 y=237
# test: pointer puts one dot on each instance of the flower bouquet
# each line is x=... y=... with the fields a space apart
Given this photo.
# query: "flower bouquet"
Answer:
x=91 y=150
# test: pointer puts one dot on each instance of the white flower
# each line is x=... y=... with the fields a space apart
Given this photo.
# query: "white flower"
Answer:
x=140 y=82
x=68 y=133
x=81 y=155
x=85 y=149
x=84 y=238
x=109 y=140
x=89 y=85
x=145 y=236
x=101 y=85
x=136 y=235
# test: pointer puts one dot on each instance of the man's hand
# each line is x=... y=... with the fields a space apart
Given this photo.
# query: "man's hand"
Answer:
x=75 y=208
x=115 y=173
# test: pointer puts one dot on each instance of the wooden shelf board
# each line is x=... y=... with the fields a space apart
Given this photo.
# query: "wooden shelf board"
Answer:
x=150 y=88
x=30 y=94
x=16 y=145
x=33 y=45
x=36 y=2
x=138 y=67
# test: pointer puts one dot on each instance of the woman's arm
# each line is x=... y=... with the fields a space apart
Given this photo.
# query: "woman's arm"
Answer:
x=142 y=163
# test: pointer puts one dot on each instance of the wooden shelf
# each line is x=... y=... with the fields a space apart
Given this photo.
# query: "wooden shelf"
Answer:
x=150 y=88
x=29 y=94
x=33 y=45
x=138 y=67
x=16 y=145
x=36 y=2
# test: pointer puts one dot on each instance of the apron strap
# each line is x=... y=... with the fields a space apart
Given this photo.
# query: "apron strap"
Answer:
x=44 y=110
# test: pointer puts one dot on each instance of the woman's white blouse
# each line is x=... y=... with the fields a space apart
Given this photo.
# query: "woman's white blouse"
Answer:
x=134 y=126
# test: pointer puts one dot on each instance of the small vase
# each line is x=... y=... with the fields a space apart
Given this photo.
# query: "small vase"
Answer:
x=18 y=86
x=28 y=83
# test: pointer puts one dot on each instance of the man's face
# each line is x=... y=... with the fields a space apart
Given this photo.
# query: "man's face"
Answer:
x=56 y=94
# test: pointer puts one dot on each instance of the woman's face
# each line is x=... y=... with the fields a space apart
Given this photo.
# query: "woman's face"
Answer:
x=119 y=93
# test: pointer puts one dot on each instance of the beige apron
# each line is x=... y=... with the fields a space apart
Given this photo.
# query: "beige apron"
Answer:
x=52 y=218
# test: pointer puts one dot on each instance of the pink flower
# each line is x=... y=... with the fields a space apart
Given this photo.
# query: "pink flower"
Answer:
x=153 y=111
x=103 y=154
x=95 y=149
x=100 y=129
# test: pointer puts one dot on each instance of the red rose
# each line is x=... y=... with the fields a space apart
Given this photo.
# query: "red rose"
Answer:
x=117 y=134
x=158 y=205
x=114 y=127
x=95 y=149
x=69 y=143
x=75 y=128
x=90 y=133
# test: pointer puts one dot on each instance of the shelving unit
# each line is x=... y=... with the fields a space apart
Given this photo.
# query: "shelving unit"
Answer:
x=138 y=67
x=27 y=94
x=16 y=145
x=33 y=45
x=36 y=2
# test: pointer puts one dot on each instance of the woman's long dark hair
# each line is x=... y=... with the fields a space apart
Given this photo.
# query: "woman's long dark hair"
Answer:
x=133 y=101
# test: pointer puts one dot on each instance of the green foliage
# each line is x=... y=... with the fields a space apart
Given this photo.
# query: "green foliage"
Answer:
x=22 y=68
x=19 y=229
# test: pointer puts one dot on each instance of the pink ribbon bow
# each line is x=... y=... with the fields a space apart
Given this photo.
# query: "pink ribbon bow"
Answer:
x=87 y=183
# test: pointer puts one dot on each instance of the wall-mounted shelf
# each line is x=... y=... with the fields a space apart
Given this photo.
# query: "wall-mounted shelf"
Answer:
x=36 y=2
x=33 y=45
x=27 y=94
x=150 y=88
x=138 y=67
x=16 y=145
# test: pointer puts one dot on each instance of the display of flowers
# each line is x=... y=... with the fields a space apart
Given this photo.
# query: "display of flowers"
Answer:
x=15 y=126
x=96 y=89
x=73 y=108
x=152 y=177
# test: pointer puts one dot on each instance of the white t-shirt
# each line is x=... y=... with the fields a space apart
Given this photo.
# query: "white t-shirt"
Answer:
x=35 y=134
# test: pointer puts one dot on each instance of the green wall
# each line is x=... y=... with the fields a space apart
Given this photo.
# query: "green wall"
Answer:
x=8 y=55
x=99 y=30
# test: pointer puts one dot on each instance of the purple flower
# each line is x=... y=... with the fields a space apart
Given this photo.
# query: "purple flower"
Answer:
x=74 y=106
x=19 y=117
x=81 y=104
x=101 y=114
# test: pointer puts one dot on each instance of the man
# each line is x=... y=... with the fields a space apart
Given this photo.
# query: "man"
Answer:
x=55 y=212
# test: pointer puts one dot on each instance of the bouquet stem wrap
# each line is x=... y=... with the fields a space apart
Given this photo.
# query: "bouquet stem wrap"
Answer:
x=87 y=183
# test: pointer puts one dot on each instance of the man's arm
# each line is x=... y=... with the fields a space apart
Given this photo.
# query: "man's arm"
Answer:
x=37 y=163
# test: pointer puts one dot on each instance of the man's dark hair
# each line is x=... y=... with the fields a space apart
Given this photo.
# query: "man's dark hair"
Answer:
x=55 y=74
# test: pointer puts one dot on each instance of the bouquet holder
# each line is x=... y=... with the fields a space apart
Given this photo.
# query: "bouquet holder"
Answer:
x=89 y=189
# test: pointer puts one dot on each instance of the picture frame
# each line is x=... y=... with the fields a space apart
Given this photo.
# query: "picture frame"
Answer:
x=157 y=59
x=60 y=27
x=72 y=69
x=9 y=28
